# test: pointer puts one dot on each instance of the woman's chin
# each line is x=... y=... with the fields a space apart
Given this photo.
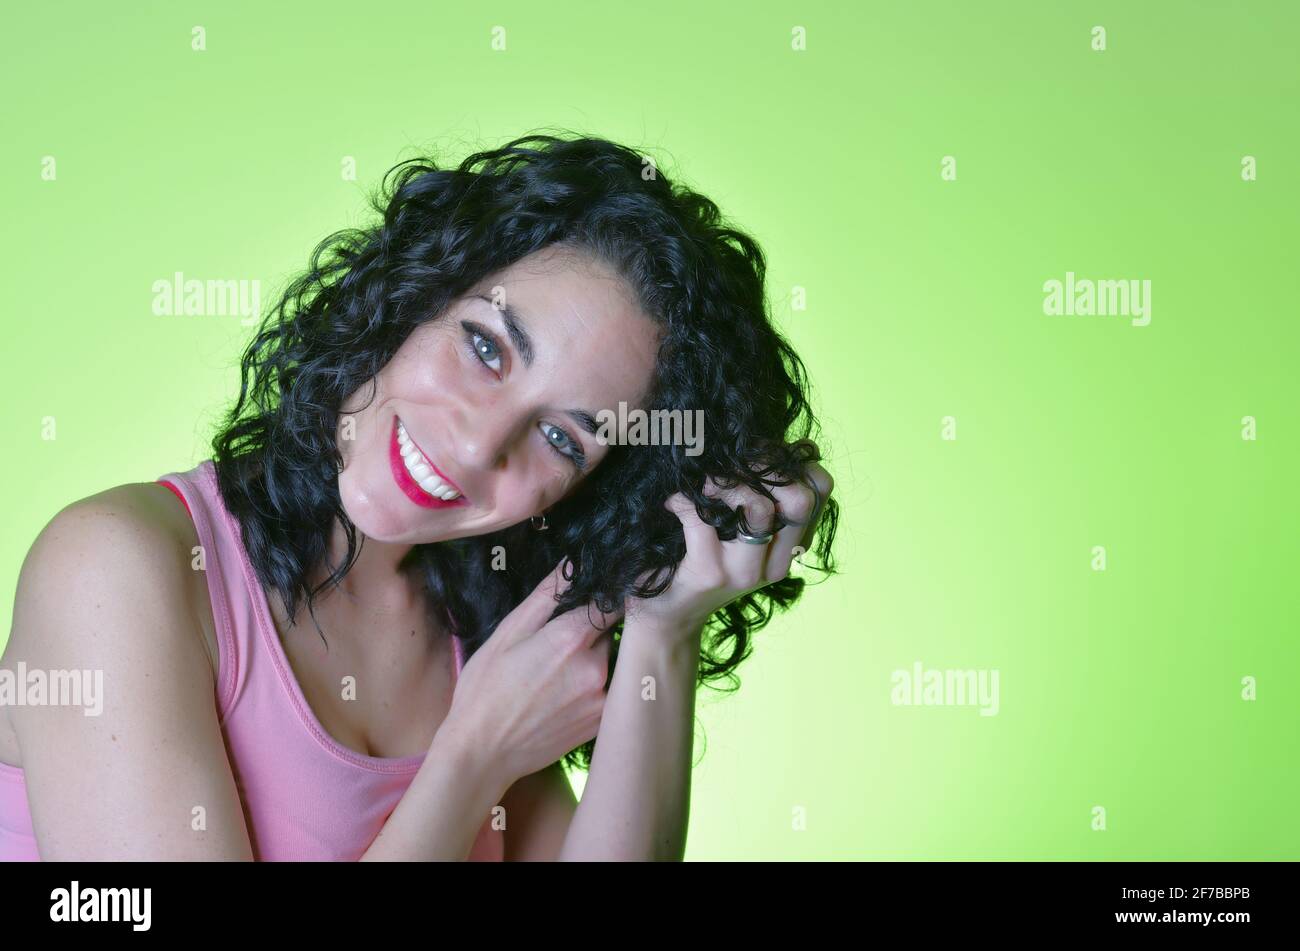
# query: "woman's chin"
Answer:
x=376 y=515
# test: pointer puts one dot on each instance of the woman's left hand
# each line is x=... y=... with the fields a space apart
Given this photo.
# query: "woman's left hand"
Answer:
x=714 y=573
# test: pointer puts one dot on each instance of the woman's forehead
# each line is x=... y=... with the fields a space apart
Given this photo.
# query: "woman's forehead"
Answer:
x=578 y=320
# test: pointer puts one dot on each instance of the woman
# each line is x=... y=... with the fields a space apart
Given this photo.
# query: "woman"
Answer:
x=423 y=461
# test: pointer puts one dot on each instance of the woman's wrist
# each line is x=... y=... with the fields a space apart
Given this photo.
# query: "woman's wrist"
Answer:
x=457 y=746
x=668 y=649
x=680 y=637
x=442 y=810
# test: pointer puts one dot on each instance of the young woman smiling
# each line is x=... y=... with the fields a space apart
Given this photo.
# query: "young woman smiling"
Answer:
x=413 y=464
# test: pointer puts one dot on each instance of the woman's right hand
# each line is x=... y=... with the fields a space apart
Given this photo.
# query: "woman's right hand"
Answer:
x=535 y=690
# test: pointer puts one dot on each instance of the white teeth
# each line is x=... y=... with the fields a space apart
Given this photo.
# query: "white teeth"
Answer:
x=419 y=468
x=433 y=486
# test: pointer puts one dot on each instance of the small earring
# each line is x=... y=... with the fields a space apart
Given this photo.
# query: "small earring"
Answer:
x=339 y=465
x=542 y=527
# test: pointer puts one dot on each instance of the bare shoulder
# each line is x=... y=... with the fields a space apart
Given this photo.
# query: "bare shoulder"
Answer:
x=116 y=757
x=149 y=509
x=141 y=506
x=132 y=534
x=108 y=574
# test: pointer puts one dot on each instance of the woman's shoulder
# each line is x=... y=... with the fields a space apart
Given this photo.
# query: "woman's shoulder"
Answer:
x=104 y=553
x=143 y=520
x=103 y=619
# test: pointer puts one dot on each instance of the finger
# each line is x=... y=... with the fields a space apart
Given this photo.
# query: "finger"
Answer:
x=595 y=623
x=796 y=507
x=823 y=484
x=581 y=627
x=816 y=453
x=702 y=539
x=759 y=511
x=604 y=645
x=745 y=561
x=536 y=608
x=819 y=483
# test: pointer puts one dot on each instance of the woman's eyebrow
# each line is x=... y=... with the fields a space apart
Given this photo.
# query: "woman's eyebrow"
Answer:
x=524 y=344
x=584 y=419
x=514 y=327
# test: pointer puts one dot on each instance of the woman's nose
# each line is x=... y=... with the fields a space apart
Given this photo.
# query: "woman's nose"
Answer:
x=481 y=437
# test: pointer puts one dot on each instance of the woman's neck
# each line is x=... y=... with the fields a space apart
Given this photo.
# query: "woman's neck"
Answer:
x=376 y=580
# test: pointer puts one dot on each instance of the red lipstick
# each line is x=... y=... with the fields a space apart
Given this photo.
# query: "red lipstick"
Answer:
x=410 y=488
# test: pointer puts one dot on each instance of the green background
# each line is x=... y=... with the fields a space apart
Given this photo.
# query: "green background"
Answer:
x=1118 y=688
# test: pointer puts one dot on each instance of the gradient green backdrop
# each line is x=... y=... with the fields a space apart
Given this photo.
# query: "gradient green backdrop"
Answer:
x=1118 y=688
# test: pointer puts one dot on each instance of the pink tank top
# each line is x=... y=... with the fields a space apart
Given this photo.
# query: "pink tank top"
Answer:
x=305 y=796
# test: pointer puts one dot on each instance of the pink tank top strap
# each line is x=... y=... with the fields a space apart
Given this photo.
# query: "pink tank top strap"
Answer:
x=216 y=556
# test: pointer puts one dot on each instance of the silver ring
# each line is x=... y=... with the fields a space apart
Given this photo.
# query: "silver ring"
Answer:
x=754 y=539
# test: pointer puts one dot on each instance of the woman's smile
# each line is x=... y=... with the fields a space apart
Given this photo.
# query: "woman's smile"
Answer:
x=416 y=475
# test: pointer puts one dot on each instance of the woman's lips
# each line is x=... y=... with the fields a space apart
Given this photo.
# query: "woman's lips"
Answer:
x=410 y=488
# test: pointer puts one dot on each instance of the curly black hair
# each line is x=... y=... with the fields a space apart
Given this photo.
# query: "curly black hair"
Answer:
x=442 y=231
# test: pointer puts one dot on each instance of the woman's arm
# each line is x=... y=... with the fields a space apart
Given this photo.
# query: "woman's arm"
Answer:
x=637 y=799
x=539 y=809
x=529 y=694
x=636 y=802
x=441 y=812
x=103 y=590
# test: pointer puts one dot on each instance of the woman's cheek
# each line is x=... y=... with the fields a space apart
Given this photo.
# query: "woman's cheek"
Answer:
x=534 y=489
x=432 y=369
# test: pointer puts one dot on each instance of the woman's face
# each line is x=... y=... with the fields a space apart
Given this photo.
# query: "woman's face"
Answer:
x=477 y=422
